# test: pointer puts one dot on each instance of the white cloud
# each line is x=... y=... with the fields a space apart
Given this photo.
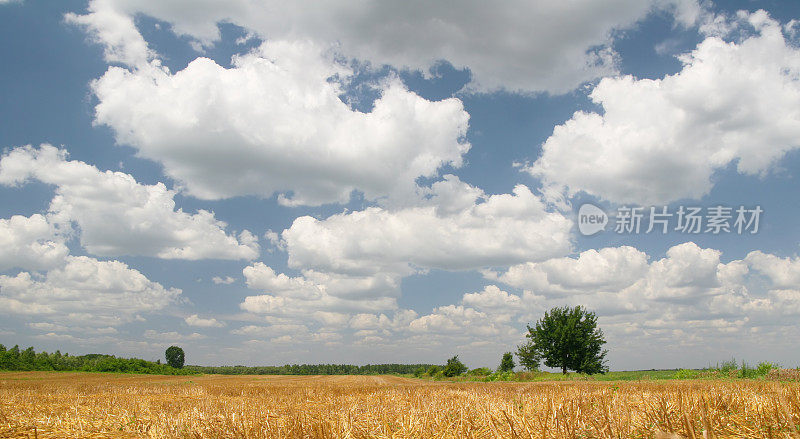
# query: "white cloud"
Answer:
x=171 y=336
x=689 y=284
x=85 y=291
x=227 y=280
x=274 y=123
x=782 y=272
x=517 y=45
x=315 y=291
x=491 y=297
x=116 y=31
x=662 y=140
x=607 y=269
x=351 y=264
x=30 y=243
x=459 y=227
x=195 y=320
x=119 y=216
x=270 y=331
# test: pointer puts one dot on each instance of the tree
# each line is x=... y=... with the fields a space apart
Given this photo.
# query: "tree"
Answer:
x=507 y=363
x=568 y=338
x=175 y=356
x=454 y=367
x=528 y=357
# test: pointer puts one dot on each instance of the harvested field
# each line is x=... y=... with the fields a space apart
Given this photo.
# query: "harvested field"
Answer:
x=49 y=405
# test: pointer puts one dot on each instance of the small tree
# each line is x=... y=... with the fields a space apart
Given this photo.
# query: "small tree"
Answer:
x=507 y=363
x=568 y=338
x=454 y=367
x=528 y=357
x=175 y=357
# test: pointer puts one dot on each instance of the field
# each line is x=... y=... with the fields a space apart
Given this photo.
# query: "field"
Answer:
x=49 y=405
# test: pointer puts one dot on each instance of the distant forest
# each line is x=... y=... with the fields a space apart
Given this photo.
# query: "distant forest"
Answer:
x=14 y=359
x=312 y=369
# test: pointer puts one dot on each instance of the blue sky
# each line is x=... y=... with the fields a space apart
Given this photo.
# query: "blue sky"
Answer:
x=381 y=184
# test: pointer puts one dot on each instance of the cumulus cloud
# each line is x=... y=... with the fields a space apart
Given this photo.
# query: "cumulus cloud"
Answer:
x=607 y=269
x=689 y=283
x=119 y=216
x=30 y=243
x=457 y=227
x=171 y=336
x=274 y=123
x=351 y=264
x=195 y=320
x=227 y=280
x=662 y=140
x=517 y=45
x=86 y=292
x=314 y=291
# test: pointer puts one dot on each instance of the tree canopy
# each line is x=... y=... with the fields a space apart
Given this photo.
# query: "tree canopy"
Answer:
x=454 y=367
x=175 y=356
x=567 y=338
x=507 y=363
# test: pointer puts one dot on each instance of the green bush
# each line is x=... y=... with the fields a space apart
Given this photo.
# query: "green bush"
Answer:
x=503 y=376
x=728 y=366
x=747 y=372
x=454 y=367
x=765 y=367
x=481 y=371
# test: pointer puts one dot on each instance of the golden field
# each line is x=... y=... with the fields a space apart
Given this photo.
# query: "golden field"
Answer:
x=91 y=405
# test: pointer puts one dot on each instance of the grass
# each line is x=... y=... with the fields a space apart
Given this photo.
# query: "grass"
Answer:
x=211 y=406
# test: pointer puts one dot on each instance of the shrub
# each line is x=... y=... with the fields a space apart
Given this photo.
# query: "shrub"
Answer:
x=454 y=367
x=502 y=376
x=481 y=371
x=765 y=367
x=728 y=366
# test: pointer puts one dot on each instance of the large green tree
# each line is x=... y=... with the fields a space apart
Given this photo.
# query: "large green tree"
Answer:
x=175 y=357
x=567 y=338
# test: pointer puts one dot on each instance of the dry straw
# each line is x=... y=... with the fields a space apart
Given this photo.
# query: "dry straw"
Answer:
x=49 y=405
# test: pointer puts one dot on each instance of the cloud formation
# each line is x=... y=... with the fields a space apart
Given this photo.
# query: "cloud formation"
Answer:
x=275 y=123
x=517 y=45
x=657 y=141
x=455 y=227
x=30 y=243
x=117 y=215
x=84 y=292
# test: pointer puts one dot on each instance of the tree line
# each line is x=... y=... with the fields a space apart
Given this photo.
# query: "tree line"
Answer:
x=16 y=359
x=28 y=359
x=312 y=369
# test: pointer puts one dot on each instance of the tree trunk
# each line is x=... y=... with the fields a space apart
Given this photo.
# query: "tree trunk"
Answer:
x=564 y=370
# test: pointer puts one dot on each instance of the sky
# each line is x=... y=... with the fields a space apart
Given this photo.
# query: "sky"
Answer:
x=266 y=183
